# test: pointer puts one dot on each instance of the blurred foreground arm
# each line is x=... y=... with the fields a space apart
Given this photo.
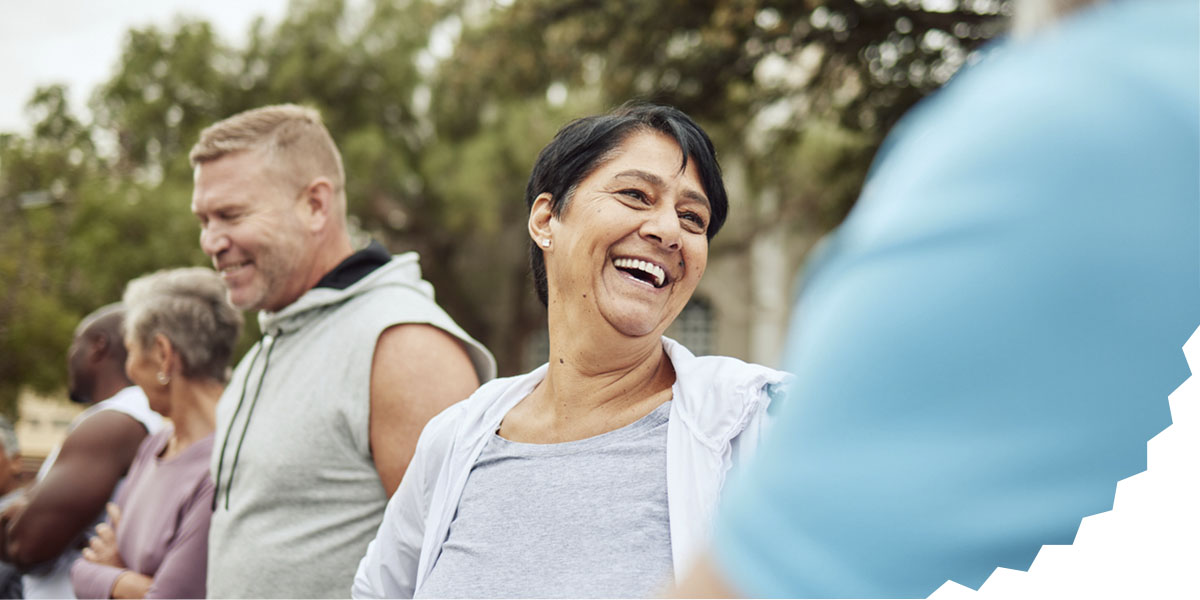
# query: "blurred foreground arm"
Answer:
x=984 y=348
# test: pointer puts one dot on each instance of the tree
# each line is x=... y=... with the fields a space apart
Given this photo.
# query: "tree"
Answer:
x=439 y=108
x=71 y=237
x=796 y=95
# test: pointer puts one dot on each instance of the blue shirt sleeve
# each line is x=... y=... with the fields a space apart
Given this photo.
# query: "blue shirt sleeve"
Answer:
x=985 y=347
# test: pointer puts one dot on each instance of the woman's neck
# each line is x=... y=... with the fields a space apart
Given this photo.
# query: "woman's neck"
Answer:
x=193 y=412
x=591 y=387
x=590 y=375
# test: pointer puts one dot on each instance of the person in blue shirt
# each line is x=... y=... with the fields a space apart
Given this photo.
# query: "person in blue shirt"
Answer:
x=985 y=346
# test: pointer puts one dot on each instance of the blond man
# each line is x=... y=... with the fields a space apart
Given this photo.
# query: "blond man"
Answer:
x=321 y=416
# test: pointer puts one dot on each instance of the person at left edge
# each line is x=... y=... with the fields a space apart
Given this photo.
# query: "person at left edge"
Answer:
x=320 y=418
x=10 y=492
x=41 y=532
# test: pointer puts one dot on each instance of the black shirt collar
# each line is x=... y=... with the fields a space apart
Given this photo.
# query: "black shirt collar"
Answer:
x=356 y=266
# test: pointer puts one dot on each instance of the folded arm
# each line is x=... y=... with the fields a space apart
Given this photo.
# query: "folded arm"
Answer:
x=61 y=506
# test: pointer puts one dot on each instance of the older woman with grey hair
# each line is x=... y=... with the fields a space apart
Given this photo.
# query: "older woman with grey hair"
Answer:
x=180 y=331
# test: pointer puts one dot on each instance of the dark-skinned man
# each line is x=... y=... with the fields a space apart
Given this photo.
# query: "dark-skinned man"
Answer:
x=41 y=532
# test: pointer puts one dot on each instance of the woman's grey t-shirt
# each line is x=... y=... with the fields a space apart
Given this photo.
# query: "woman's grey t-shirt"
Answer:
x=582 y=519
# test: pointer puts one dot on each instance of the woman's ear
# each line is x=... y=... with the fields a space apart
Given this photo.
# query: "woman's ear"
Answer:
x=165 y=355
x=540 y=215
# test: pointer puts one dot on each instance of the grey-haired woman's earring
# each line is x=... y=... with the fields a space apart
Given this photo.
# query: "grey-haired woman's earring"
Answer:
x=163 y=378
x=546 y=243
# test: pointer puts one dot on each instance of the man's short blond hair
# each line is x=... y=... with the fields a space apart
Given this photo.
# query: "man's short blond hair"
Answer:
x=292 y=137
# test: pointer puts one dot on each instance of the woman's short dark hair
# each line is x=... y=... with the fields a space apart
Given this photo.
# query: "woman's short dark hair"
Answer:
x=583 y=145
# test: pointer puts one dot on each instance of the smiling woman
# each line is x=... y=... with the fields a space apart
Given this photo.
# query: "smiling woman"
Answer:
x=631 y=244
x=595 y=474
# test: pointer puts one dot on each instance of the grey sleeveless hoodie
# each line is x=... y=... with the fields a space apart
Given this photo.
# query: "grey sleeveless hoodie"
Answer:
x=298 y=497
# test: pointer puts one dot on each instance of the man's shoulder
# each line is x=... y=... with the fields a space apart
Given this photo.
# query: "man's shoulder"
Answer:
x=361 y=316
x=102 y=434
x=382 y=306
x=128 y=404
x=392 y=288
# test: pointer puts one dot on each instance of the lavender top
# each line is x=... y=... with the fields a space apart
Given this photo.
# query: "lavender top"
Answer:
x=165 y=509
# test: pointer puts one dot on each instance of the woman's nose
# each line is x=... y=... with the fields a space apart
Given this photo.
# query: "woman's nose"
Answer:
x=662 y=226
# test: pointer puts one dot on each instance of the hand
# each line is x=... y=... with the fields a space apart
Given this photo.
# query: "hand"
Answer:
x=102 y=548
x=13 y=509
x=7 y=516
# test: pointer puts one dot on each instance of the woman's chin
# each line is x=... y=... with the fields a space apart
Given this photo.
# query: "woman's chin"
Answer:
x=636 y=323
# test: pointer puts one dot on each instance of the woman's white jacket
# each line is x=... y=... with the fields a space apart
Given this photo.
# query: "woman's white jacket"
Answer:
x=717 y=417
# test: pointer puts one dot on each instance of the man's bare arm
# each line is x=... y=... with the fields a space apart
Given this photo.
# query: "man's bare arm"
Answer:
x=418 y=370
x=93 y=459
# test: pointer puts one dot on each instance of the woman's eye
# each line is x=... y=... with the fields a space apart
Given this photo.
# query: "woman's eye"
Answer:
x=696 y=221
x=635 y=194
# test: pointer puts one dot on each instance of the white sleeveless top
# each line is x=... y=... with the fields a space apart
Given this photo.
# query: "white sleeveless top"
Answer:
x=131 y=401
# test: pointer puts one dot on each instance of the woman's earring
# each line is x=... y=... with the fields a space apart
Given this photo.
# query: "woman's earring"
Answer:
x=546 y=243
x=163 y=378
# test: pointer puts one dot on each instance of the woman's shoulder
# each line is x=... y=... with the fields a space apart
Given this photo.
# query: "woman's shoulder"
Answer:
x=724 y=373
x=154 y=443
x=720 y=395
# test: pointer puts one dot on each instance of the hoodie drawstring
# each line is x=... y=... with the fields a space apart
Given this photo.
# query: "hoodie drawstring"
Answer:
x=269 y=342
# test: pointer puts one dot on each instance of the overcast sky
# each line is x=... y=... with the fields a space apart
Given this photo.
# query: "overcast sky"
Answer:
x=78 y=42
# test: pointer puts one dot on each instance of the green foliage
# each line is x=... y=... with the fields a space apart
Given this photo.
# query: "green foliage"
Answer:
x=73 y=234
x=439 y=108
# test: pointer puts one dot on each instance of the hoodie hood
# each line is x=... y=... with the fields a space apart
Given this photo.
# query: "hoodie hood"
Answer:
x=403 y=270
